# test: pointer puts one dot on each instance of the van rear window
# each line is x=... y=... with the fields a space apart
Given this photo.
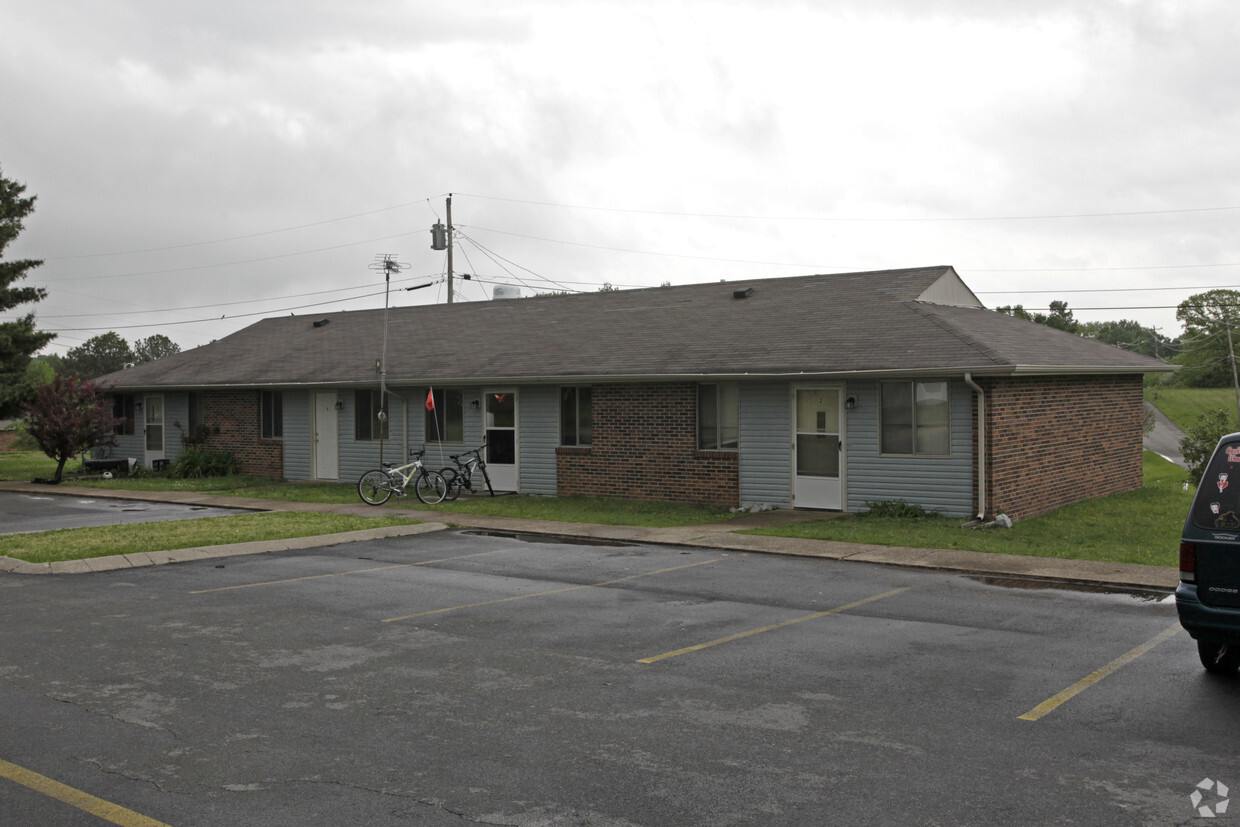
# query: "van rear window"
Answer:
x=1218 y=497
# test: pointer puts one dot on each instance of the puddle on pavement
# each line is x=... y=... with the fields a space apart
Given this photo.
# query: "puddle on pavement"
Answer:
x=545 y=538
x=1031 y=584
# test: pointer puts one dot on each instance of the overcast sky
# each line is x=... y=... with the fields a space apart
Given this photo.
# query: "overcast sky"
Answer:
x=201 y=165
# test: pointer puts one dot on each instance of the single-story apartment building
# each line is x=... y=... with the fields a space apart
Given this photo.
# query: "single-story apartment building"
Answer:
x=820 y=392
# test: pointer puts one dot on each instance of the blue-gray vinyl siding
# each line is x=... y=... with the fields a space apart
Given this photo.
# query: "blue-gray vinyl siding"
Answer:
x=538 y=430
x=935 y=483
x=356 y=458
x=176 y=424
x=765 y=440
x=298 y=441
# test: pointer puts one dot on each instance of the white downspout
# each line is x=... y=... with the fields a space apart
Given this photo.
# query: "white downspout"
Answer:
x=981 y=445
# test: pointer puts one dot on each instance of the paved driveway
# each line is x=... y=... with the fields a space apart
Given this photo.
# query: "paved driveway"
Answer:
x=21 y=512
x=460 y=678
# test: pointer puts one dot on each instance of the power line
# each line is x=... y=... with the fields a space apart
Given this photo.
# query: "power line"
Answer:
x=224 y=304
x=1106 y=290
x=234 y=263
x=872 y=219
x=213 y=318
x=236 y=237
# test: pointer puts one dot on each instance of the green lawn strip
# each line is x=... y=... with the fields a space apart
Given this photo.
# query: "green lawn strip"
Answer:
x=599 y=510
x=1134 y=527
x=1183 y=405
x=105 y=541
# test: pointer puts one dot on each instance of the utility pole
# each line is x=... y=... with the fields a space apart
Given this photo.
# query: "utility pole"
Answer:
x=441 y=239
x=449 y=248
x=1231 y=349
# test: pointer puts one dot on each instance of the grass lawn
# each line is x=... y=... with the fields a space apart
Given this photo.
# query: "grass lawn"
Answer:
x=1134 y=527
x=27 y=465
x=1183 y=405
x=104 y=541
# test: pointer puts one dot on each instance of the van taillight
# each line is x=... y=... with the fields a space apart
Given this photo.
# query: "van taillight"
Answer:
x=1188 y=562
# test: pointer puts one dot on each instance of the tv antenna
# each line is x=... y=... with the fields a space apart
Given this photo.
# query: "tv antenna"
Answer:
x=388 y=264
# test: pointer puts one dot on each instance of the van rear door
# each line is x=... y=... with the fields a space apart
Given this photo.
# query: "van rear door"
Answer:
x=1215 y=528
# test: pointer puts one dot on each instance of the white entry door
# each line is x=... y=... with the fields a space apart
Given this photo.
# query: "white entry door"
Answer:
x=326 y=437
x=153 y=428
x=500 y=428
x=817 y=449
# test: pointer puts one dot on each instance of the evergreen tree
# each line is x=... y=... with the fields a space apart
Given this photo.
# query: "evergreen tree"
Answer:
x=18 y=339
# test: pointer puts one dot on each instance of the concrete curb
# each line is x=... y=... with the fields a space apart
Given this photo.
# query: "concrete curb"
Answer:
x=182 y=555
x=721 y=536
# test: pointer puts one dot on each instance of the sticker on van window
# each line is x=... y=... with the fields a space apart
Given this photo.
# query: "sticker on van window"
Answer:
x=1222 y=483
x=1233 y=454
x=1224 y=519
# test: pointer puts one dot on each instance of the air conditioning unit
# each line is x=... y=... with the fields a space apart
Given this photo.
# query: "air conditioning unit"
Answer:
x=505 y=291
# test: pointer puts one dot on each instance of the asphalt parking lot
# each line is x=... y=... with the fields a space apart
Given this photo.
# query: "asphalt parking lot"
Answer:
x=460 y=677
x=21 y=512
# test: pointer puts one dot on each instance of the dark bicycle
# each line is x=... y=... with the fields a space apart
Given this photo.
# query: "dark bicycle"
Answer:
x=459 y=476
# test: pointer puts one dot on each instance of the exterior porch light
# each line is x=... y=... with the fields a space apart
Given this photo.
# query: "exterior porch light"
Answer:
x=850 y=403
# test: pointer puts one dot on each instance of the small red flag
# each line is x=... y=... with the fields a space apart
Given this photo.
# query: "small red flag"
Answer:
x=430 y=399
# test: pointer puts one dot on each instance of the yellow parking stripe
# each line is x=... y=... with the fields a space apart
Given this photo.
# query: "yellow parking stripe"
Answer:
x=83 y=801
x=551 y=591
x=343 y=573
x=772 y=627
x=1054 y=702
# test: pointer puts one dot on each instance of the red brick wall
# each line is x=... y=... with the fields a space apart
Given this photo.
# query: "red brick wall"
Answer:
x=237 y=414
x=1056 y=440
x=645 y=448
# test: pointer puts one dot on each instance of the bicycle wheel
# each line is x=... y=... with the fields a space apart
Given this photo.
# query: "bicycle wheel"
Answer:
x=452 y=481
x=375 y=487
x=430 y=487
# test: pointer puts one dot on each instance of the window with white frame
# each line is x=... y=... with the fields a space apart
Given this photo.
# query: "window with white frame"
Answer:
x=916 y=418
x=718 y=417
x=576 y=417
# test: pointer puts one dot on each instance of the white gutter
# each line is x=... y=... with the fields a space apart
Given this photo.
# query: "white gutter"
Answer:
x=981 y=445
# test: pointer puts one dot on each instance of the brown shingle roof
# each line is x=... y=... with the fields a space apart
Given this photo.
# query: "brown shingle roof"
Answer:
x=847 y=323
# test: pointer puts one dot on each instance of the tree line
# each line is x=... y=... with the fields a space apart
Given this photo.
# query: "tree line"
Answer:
x=1206 y=351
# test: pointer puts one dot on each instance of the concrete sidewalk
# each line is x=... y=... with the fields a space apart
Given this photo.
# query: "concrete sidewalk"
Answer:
x=722 y=536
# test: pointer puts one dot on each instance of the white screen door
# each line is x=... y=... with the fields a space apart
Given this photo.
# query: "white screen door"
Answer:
x=500 y=426
x=817 y=449
x=153 y=422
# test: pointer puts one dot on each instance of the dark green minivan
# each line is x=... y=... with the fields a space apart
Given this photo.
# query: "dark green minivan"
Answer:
x=1208 y=597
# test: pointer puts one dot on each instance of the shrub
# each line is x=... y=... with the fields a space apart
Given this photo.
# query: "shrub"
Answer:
x=1202 y=437
x=195 y=462
x=894 y=508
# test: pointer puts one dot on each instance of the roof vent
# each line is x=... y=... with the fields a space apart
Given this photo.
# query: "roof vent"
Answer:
x=321 y=322
x=742 y=293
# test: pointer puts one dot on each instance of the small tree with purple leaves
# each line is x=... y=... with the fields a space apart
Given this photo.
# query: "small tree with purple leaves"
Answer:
x=70 y=415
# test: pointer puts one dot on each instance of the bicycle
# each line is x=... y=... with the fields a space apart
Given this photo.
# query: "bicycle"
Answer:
x=461 y=477
x=377 y=487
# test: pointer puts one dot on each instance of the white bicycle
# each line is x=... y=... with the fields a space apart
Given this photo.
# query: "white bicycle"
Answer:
x=377 y=487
